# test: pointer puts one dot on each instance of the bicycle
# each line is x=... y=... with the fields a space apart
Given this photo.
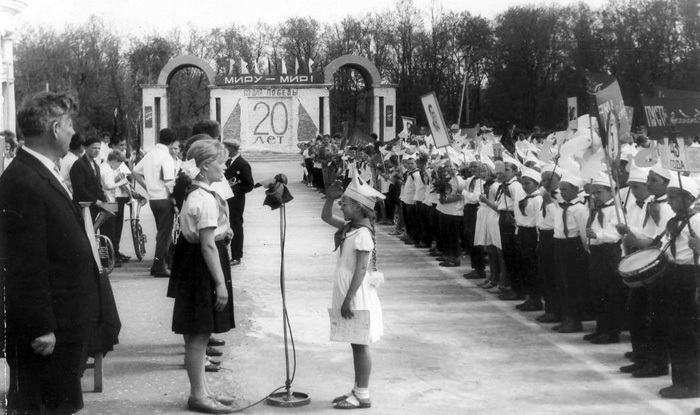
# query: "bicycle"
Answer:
x=136 y=201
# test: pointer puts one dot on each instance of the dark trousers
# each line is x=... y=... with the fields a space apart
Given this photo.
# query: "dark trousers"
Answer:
x=572 y=272
x=476 y=253
x=389 y=205
x=409 y=218
x=511 y=252
x=527 y=242
x=163 y=213
x=119 y=223
x=450 y=230
x=684 y=332
x=430 y=229
x=235 y=216
x=609 y=292
x=45 y=384
x=440 y=236
x=423 y=221
x=648 y=324
x=551 y=292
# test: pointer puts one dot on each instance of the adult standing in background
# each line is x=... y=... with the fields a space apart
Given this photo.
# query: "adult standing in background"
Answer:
x=51 y=281
x=240 y=178
x=122 y=194
x=157 y=171
x=76 y=149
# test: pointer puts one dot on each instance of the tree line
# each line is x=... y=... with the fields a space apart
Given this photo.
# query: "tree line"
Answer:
x=520 y=66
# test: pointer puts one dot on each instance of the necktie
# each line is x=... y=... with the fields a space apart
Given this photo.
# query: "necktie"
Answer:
x=228 y=163
x=471 y=185
x=565 y=208
x=647 y=215
x=522 y=204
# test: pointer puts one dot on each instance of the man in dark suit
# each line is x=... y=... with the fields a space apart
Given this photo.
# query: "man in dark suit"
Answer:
x=240 y=178
x=51 y=282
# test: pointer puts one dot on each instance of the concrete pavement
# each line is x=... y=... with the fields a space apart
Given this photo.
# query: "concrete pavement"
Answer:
x=449 y=347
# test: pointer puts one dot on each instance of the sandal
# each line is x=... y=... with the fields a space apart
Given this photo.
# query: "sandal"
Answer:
x=342 y=398
x=352 y=402
x=224 y=399
x=208 y=406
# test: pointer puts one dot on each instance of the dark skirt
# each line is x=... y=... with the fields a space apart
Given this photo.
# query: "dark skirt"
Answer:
x=193 y=289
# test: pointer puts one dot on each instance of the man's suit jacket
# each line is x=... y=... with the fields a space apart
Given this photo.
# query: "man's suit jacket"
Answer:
x=87 y=183
x=51 y=283
x=241 y=172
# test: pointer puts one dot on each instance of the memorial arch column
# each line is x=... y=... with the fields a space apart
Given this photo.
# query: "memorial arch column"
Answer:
x=155 y=113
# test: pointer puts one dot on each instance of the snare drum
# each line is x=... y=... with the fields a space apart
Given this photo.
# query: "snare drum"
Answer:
x=642 y=267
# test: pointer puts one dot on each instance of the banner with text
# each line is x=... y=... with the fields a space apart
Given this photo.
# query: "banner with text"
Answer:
x=671 y=113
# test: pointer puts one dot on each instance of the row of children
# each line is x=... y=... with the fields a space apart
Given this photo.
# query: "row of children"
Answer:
x=555 y=242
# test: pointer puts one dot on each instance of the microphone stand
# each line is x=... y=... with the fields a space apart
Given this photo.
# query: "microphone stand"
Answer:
x=287 y=398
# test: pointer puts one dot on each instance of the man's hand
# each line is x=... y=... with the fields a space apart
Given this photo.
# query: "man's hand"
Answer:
x=45 y=344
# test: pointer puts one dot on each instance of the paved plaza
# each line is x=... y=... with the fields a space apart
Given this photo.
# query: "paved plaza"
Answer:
x=449 y=347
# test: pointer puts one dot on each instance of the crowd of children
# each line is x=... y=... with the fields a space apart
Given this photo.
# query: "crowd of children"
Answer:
x=542 y=236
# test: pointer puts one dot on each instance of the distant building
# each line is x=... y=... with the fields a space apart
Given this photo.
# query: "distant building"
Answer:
x=9 y=9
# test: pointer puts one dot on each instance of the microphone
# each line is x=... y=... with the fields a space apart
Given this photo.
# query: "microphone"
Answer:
x=279 y=178
x=277 y=193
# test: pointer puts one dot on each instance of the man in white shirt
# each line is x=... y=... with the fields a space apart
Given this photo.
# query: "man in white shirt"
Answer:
x=157 y=171
x=75 y=151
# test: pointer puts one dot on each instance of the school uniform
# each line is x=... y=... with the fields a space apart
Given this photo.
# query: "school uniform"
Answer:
x=420 y=209
x=408 y=203
x=546 y=261
x=609 y=292
x=432 y=229
x=506 y=224
x=471 y=192
x=571 y=260
x=649 y=331
x=451 y=218
x=526 y=213
x=191 y=282
x=679 y=285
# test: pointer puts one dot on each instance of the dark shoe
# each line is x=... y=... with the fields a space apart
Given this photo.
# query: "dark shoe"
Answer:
x=475 y=275
x=499 y=289
x=531 y=306
x=448 y=263
x=213 y=341
x=629 y=355
x=117 y=264
x=489 y=285
x=650 y=370
x=548 y=318
x=161 y=274
x=591 y=336
x=208 y=406
x=631 y=368
x=409 y=241
x=123 y=258
x=211 y=367
x=571 y=327
x=235 y=262
x=421 y=245
x=678 y=392
x=213 y=352
x=606 y=338
x=511 y=296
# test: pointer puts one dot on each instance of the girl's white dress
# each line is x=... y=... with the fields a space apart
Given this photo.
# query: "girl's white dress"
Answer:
x=487 y=232
x=366 y=297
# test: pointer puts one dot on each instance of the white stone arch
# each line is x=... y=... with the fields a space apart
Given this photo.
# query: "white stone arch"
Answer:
x=384 y=95
x=155 y=106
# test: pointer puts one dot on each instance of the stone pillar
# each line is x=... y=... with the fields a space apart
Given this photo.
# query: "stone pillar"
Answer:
x=327 y=113
x=388 y=92
x=2 y=85
x=154 y=108
x=9 y=90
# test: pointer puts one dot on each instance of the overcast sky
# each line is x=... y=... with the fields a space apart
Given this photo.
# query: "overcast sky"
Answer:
x=146 y=16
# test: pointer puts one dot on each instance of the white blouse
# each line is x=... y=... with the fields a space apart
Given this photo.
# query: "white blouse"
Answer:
x=201 y=210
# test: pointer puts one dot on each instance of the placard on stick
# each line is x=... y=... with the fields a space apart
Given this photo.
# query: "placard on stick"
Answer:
x=438 y=127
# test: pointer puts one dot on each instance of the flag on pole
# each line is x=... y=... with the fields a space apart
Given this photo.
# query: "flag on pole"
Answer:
x=572 y=113
x=606 y=98
x=284 y=67
x=244 y=67
x=296 y=66
x=230 y=66
x=311 y=64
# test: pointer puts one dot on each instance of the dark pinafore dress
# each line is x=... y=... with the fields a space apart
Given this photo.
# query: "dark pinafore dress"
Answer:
x=194 y=291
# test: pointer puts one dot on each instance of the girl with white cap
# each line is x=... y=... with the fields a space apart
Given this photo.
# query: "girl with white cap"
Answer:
x=352 y=288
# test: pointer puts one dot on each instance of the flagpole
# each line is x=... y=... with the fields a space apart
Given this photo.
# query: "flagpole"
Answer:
x=461 y=100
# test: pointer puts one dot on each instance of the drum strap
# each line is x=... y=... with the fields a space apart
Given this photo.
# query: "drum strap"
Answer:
x=674 y=233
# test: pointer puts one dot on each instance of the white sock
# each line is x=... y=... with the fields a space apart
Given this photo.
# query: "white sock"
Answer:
x=361 y=393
